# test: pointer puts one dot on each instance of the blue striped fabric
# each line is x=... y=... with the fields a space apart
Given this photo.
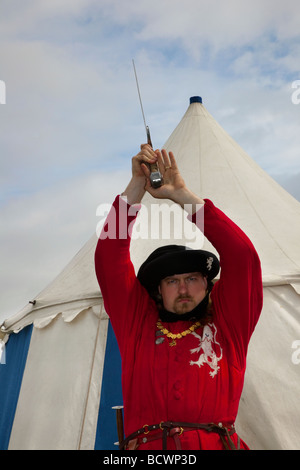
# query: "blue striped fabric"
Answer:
x=111 y=395
x=11 y=375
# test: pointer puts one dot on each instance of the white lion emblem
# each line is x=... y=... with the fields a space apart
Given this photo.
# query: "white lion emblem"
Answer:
x=209 y=263
x=206 y=344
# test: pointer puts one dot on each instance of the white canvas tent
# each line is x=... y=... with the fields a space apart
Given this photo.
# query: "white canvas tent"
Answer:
x=68 y=358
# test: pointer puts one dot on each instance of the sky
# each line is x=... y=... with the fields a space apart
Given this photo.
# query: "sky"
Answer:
x=71 y=119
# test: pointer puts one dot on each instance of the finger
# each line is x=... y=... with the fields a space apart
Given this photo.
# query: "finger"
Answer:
x=147 y=156
x=160 y=162
x=147 y=147
x=147 y=159
x=166 y=158
x=173 y=163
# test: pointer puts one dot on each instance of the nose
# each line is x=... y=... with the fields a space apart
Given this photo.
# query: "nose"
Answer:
x=182 y=286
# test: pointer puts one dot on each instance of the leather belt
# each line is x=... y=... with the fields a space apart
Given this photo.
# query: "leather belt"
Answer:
x=166 y=429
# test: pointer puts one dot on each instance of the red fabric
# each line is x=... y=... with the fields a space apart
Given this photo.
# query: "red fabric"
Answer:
x=160 y=383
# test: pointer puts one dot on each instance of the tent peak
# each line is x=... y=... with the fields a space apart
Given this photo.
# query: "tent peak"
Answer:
x=195 y=99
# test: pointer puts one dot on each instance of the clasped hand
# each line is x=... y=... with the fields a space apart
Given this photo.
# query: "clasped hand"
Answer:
x=172 y=179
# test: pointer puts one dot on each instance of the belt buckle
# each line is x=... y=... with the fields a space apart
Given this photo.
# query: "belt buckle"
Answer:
x=181 y=430
x=146 y=431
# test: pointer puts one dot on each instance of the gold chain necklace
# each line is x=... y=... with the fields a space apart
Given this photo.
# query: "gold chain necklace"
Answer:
x=175 y=336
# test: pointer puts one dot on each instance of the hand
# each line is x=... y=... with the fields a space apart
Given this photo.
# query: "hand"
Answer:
x=173 y=182
x=146 y=155
x=135 y=190
x=173 y=187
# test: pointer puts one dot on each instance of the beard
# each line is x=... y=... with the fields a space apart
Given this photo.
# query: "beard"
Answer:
x=183 y=304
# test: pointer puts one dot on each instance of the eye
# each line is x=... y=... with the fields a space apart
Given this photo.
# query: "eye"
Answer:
x=192 y=279
x=171 y=281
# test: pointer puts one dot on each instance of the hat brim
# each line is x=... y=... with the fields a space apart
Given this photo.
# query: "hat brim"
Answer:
x=153 y=271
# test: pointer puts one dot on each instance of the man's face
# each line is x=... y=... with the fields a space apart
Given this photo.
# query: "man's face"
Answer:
x=181 y=293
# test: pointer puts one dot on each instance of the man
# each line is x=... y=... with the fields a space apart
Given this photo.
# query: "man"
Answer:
x=183 y=340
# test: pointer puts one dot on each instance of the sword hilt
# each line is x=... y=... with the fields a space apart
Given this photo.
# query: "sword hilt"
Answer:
x=120 y=427
x=155 y=176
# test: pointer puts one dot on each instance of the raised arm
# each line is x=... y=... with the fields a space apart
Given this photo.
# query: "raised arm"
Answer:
x=121 y=291
x=237 y=296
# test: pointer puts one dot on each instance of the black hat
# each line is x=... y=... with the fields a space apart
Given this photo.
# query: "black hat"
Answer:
x=176 y=259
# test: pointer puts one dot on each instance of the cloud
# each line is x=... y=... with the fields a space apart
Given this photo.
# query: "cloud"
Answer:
x=72 y=119
x=43 y=231
x=199 y=23
x=61 y=115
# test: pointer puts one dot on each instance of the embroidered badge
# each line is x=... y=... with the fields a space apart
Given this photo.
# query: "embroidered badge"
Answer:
x=159 y=337
x=206 y=348
x=209 y=262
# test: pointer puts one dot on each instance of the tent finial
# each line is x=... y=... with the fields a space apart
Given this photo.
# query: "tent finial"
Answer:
x=195 y=99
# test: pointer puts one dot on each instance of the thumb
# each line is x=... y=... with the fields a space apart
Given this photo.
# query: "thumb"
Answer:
x=146 y=170
x=148 y=186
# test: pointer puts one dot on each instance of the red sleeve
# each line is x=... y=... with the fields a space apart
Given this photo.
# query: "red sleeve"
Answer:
x=122 y=293
x=237 y=296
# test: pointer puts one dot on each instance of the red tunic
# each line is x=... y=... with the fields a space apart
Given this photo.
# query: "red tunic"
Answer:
x=201 y=378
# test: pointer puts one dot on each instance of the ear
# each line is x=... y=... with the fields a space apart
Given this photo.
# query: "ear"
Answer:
x=159 y=289
x=205 y=282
